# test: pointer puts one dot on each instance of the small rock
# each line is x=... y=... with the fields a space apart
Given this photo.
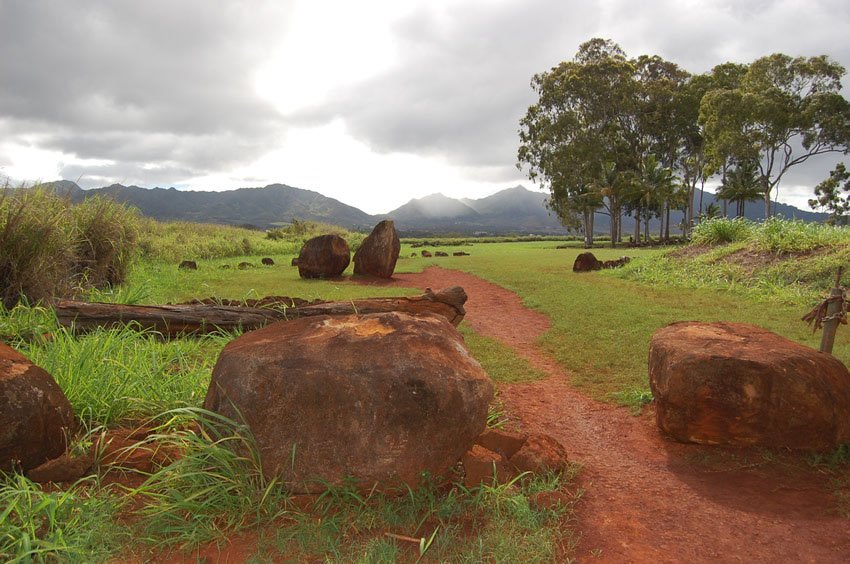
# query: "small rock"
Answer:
x=244 y=265
x=65 y=468
x=413 y=255
x=622 y=261
x=460 y=254
x=426 y=254
x=502 y=442
x=540 y=453
x=483 y=466
x=441 y=254
x=268 y=261
x=224 y=266
x=188 y=265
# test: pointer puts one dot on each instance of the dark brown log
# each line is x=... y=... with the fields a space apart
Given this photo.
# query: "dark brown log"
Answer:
x=173 y=320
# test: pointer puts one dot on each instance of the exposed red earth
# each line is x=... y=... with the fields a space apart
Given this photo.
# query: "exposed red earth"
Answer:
x=648 y=498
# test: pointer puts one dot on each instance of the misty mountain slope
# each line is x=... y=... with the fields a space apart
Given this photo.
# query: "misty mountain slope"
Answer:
x=263 y=207
x=514 y=210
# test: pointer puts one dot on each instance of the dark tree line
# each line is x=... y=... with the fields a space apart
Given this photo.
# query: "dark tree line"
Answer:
x=617 y=135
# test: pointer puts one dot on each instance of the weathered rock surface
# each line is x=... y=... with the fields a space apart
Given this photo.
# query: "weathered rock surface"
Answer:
x=483 y=466
x=35 y=416
x=268 y=261
x=502 y=442
x=65 y=468
x=188 y=265
x=540 y=453
x=381 y=397
x=586 y=262
x=325 y=256
x=378 y=253
x=426 y=254
x=738 y=384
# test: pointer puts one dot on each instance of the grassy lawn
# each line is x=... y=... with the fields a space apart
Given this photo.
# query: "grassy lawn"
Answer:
x=601 y=326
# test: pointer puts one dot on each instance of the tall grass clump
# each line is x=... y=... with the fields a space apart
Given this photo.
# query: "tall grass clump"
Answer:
x=214 y=488
x=75 y=525
x=50 y=247
x=36 y=253
x=113 y=375
x=780 y=236
x=721 y=230
x=105 y=240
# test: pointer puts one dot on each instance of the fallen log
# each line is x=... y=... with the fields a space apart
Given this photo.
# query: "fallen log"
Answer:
x=174 y=320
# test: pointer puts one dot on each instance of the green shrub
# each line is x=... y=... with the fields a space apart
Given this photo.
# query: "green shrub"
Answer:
x=720 y=230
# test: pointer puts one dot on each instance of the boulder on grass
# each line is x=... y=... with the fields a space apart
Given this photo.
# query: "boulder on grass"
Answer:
x=35 y=416
x=188 y=265
x=378 y=253
x=738 y=384
x=268 y=261
x=380 y=397
x=426 y=254
x=325 y=256
x=586 y=262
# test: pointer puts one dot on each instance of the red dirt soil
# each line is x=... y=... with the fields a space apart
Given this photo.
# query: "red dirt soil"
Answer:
x=648 y=498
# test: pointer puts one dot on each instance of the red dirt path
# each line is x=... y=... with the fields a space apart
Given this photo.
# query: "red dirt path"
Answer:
x=648 y=498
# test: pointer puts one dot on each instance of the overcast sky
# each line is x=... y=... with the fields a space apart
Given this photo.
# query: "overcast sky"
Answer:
x=369 y=102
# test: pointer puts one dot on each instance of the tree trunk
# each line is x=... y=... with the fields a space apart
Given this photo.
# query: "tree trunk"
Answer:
x=666 y=222
x=588 y=229
x=637 y=227
x=174 y=320
x=766 y=204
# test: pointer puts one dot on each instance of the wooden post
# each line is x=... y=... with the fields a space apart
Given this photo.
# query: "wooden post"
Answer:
x=830 y=324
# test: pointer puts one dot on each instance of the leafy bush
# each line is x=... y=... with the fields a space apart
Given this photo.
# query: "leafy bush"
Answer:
x=720 y=230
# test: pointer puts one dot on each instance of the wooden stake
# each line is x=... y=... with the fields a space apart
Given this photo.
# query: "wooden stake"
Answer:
x=830 y=325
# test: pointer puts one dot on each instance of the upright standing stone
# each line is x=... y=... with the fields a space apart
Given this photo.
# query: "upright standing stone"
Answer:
x=35 y=416
x=325 y=256
x=379 y=251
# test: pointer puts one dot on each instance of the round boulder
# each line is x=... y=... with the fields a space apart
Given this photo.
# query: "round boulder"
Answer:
x=378 y=253
x=738 y=384
x=325 y=256
x=586 y=262
x=380 y=397
x=35 y=416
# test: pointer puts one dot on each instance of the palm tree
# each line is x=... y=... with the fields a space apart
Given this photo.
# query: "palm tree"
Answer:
x=652 y=185
x=741 y=185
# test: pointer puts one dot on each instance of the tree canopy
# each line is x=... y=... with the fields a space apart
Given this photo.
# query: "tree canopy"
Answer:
x=609 y=133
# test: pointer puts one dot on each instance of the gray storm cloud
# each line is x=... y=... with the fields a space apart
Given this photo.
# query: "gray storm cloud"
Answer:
x=149 y=85
x=165 y=90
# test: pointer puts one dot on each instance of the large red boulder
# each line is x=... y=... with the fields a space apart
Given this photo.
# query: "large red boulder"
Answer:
x=35 y=416
x=378 y=253
x=325 y=256
x=380 y=397
x=738 y=384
